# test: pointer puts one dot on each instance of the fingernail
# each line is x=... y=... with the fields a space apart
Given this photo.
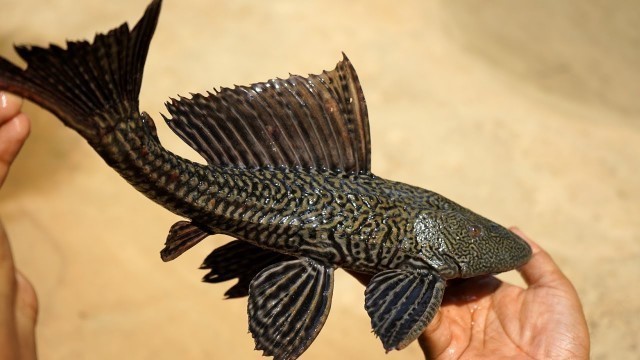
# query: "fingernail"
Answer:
x=7 y=98
x=21 y=124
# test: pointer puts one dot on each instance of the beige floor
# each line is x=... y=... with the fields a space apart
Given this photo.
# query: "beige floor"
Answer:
x=527 y=112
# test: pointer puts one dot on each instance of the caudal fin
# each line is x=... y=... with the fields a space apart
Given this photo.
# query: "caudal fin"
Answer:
x=87 y=85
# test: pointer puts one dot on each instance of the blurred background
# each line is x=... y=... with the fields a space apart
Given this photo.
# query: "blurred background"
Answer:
x=527 y=112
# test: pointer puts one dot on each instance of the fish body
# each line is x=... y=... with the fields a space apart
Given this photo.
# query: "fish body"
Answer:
x=357 y=221
x=287 y=174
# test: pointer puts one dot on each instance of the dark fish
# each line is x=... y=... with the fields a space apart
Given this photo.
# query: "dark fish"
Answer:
x=287 y=174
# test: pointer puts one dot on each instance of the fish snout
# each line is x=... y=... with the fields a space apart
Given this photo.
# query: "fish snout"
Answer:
x=514 y=250
x=496 y=251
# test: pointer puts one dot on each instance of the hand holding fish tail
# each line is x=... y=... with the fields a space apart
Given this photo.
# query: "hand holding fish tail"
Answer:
x=487 y=318
x=18 y=302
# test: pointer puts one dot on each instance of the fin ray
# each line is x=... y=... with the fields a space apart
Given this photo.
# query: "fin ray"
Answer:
x=401 y=304
x=288 y=305
x=183 y=235
x=239 y=259
x=315 y=122
x=87 y=85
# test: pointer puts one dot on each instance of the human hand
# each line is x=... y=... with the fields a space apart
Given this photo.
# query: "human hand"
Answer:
x=486 y=318
x=18 y=302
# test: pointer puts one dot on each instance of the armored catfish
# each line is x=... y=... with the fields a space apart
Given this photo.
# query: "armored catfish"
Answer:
x=287 y=174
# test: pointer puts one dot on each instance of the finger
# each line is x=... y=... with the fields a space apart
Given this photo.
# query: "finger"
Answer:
x=8 y=340
x=436 y=338
x=541 y=270
x=13 y=134
x=7 y=280
x=26 y=312
x=9 y=106
x=26 y=299
x=7 y=276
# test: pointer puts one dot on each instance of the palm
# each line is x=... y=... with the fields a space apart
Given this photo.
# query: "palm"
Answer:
x=484 y=317
x=487 y=318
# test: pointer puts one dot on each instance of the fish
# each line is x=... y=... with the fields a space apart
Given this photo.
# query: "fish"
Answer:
x=287 y=175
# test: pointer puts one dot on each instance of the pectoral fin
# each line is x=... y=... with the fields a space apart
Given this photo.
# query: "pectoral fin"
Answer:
x=288 y=305
x=401 y=303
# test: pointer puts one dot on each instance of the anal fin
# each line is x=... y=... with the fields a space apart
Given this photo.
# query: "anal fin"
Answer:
x=239 y=259
x=401 y=303
x=288 y=305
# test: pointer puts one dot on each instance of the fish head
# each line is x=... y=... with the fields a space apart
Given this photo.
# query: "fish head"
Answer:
x=467 y=244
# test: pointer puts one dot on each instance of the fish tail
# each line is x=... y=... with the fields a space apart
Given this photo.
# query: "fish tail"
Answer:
x=89 y=86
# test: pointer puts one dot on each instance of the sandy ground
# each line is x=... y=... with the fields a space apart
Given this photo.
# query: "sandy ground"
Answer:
x=526 y=112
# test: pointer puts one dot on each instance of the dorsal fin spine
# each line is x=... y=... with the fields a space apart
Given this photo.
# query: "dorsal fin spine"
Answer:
x=302 y=122
x=293 y=152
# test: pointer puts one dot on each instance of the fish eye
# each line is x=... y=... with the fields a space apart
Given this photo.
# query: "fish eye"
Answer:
x=475 y=231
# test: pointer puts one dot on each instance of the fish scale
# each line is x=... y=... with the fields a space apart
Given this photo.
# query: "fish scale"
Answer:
x=287 y=174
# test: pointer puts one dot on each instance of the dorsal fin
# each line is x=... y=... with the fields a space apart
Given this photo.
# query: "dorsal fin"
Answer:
x=315 y=122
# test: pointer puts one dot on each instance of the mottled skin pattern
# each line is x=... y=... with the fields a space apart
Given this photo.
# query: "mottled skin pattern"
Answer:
x=355 y=221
